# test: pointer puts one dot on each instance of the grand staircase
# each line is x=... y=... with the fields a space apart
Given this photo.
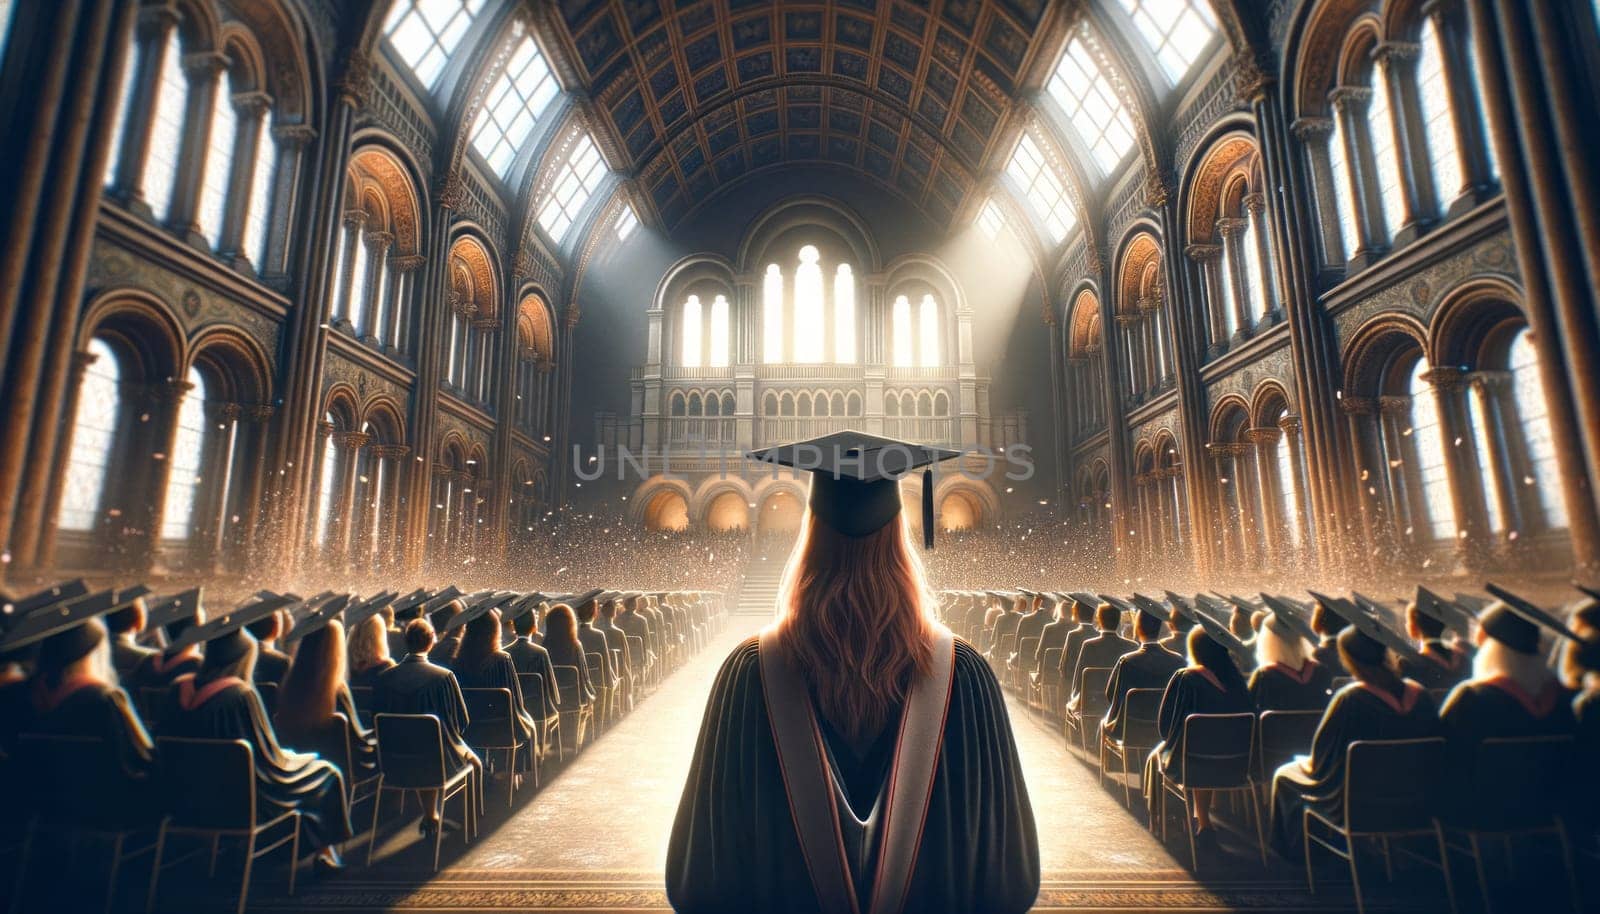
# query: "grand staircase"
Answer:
x=762 y=575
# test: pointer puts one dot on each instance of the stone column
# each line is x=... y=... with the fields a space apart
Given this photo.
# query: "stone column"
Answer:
x=1460 y=76
x=1235 y=531
x=256 y=551
x=1366 y=438
x=205 y=71
x=1290 y=426
x=1264 y=441
x=250 y=110
x=1350 y=106
x=352 y=226
x=292 y=141
x=150 y=38
x=1397 y=63
x=372 y=316
x=1396 y=476
x=1231 y=231
x=1507 y=455
x=1461 y=462
x=1314 y=134
x=1126 y=333
x=166 y=399
x=46 y=554
x=1255 y=205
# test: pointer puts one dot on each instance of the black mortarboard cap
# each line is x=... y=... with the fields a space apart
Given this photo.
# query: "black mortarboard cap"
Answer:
x=1336 y=607
x=1150 y=607
x=224 y=636
x=1121 y=604
x=60 y=620
x=1217 y=609
x=411 y=604
x=477 y=610
x=371 y=606
x=1370 y=626
x=577 y=600
x=175 y=613
x=1220 y=634
x=1287 y=619
x=1442 y=611
x=855 y=478
x=1087 y=599
x=50 y=596
x=322 y=615
x=522 y=606
x=1515 y=622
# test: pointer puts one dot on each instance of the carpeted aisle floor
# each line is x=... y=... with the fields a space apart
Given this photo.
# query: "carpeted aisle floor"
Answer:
x=594 y=837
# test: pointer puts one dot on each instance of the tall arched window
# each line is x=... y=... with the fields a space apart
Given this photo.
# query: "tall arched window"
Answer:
x=1288 y=495
x=328 y=468
x=1444 y=155
x=1380 y=127
x=217 y=170
x=772 y=315
x=94 y=437
x=1344 y=199
x=900 y=319
x=691 y=332
x=259 y=215
x=1428 y=446
x=185 y=462
x=1255 y=272
x=1534 y=416
x=810 y=329
x=844 y=315
x=166 y=130
x=928 y=332
x=719 y=332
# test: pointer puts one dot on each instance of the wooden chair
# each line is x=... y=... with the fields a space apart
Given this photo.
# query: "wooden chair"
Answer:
x=576 y=709
x=644 y=661
x=1092 y=703
x=1280 y=736
x=533 y=699
x=1218 y=753
x=1520 y=788
x=493 y=728
x=74 y=785
x=1020 y=661
x=1091 y=681
x=411 y=757
x=1388 y=794
x=605 y=690
x=359 y=789
x=1141 y=709
x=1047 y=683
x=210 y=791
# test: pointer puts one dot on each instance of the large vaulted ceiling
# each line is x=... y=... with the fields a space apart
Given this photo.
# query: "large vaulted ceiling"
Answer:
x=699 y=95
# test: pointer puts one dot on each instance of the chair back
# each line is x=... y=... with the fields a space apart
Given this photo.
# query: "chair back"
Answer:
x=597 y=666
x=1027 y=648
x=1389 y=785
x=347 y=762
x=1092 y=701
x=69 y=780
x=411 y=751
x=1285 y=734
x=490 y=712
x=1008 y=643
x=1141 y=718
x=532 y=692
x=1520 y=783
x=1218 y=750
x=568 y=684
x=208 y=783
x=1051 y=661
x=636 y=649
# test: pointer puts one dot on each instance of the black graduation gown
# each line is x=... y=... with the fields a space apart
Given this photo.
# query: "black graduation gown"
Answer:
x=496 y=671
x=1149 y=667
x=529 y=657
x=1004 y=627
x=1481 y=709
x=329 y=738
x=1069 y=653
x=634 y=625
x=98 y=711
x=1357 y=712
x=1191 y=690
x=128 y=656
x=13 y=712
x=1275 y=687
x=564 y=655
x=285 y=780
x=368 y=678
x=734 y=848
x=1586 y=712
x=271 y=666
x=1327 y=653
x=1437 y=666
x=1103 y=651
x=1053 y=636
x=416 y=686
x=1032 y=626
x=594 y=642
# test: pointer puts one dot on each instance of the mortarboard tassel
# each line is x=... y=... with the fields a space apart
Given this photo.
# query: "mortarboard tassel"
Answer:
x=927 y=509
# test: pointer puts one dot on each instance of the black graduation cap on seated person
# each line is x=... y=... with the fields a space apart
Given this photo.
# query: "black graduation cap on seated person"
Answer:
x=1515 y=622
x=1220 y=634
x=1121 y=604
x=523 y=606
x=60 y=629
x=1336 y=607
x=320 y=617
x=53 y=595
x=855 y=478
x=1150 y=607
x=1370 y=627
x=224 y=637
x=360 y=611
x=1287 y=620
x=176 y=613
x=1442 y=611
x=411 y=604
x=1212 y=607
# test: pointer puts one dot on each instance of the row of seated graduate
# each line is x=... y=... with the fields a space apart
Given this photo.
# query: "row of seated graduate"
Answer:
x=1465 y=670
x=303 y=681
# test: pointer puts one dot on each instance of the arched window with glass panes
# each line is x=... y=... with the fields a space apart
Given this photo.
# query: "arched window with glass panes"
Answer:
x=704 y=332
x=808 y=313
x=198 y=155
x=916 y=330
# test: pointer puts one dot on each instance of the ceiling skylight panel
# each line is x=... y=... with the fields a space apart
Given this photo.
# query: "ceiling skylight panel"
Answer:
x=1095 y=112
x=1175 y=31
x=519 y=96
x=1042 y=188
x=426 y=32
x=578 y=177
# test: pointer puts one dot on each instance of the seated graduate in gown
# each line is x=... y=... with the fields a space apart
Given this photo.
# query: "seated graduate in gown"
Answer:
x=1580 y=671
x=219 y=701
x=1378 y=705
x=481 y=664
x=316 y=712
x=1436 y=665
x=1288 y=676
x=416 y=685
x=1150 y=666
x=529 y=656
x=855 y=757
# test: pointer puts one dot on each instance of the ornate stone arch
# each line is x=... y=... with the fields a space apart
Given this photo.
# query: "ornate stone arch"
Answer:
x=235 y=361
x=1227 y=410
x=1269 y=399
x=1226 y=160
x=1370 y=354
x=377 y=169
x=143 y=325
x=1138 y=253
x=474 y=279
x=757 y=248
x=1085 y=334
x=1471 y=314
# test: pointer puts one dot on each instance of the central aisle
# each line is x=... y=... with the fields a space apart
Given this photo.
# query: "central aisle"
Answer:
x=594 y=838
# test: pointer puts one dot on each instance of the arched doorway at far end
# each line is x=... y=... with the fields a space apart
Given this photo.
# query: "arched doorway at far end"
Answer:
x=960 y=511
x=728 y=512
x=666 y=511
x=780 y=513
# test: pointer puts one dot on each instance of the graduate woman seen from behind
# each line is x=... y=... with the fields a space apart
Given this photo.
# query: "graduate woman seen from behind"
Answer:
x=854 y=757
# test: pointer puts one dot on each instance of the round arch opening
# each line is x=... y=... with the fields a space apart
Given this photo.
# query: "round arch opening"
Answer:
x=959 y=511
x=728 y=512
x=666 y=511
x=780 y=513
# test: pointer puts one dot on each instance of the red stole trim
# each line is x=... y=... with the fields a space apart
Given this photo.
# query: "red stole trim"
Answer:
x=46 y=700
x=161 y=663
x=190 y=698
x=1300 y=676
x=1409 y=695
x=1538 y=706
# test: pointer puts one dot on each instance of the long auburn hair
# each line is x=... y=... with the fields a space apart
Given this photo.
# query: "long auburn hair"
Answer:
x=859 y=618
x=309 y=692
